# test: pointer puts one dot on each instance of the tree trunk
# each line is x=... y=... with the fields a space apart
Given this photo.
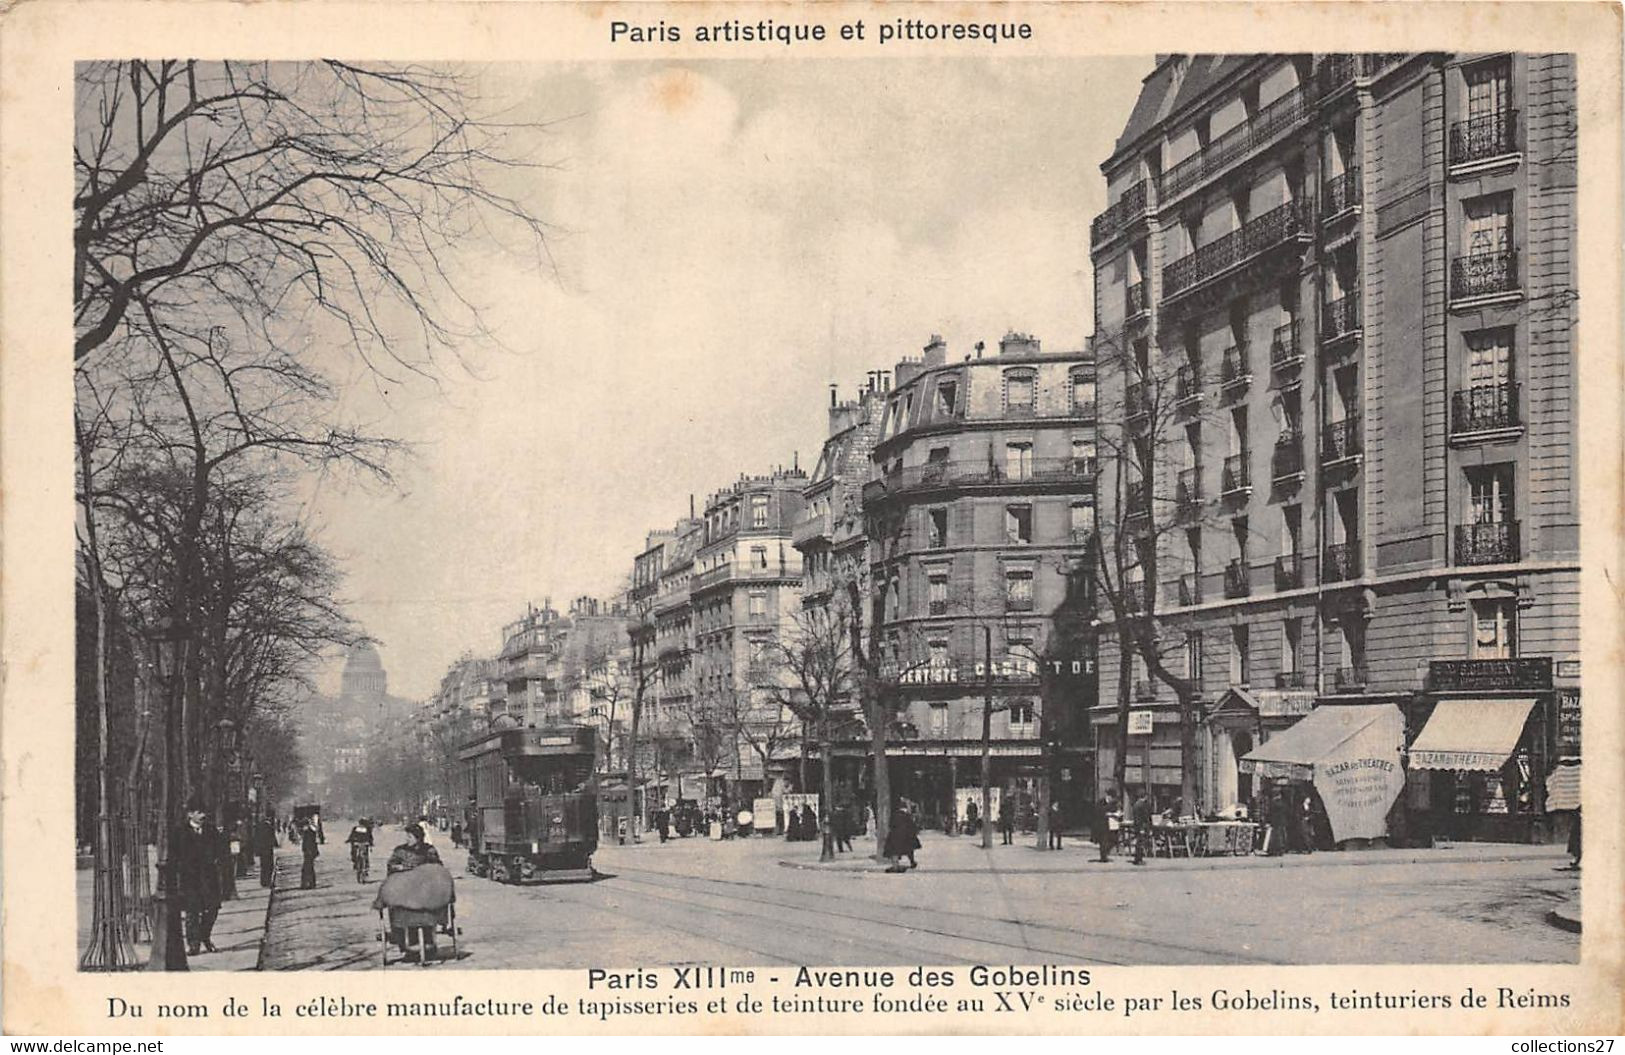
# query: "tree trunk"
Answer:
x=882 y=775
x=826 y=793
x=1125 y=689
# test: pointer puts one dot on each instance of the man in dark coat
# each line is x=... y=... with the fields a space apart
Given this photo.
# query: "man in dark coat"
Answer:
x=1105 y=835
x=265 y=849
x=309 y=847
x=841 y=827
x=196 y=860
x=1142 y=826
x=1279 y=814
x=1054 y=825
x=1007 y=820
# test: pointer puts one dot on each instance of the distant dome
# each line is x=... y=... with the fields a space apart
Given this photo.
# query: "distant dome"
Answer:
x=364 y=675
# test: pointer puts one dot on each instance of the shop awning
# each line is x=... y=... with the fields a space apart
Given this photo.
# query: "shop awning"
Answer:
x=1315 y=737
x=1563 y=788
x=1470 y=734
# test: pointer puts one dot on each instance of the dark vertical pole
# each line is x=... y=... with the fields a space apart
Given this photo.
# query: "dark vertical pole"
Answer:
x=987 y=738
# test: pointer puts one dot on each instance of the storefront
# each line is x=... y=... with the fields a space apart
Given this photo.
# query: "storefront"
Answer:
x=1486 y=739
x=1350 y=754
x=1241 y=720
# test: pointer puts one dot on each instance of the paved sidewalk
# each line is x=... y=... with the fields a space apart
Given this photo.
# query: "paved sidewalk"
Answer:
x=964 y=854
x=238 y=931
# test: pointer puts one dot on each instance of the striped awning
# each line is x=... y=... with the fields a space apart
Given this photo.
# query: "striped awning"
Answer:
x=1563 y=788
x=1470 y=734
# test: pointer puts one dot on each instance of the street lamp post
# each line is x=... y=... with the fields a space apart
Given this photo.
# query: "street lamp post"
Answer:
x=168 y=934
x=987 y=738
x=225 y=750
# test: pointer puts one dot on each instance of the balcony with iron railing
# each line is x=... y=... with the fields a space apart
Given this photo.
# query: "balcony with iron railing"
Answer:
x=1284 y=350
x=1487 y=543
x=1341 y=440
x=1236 y=367
x=1271 y=120
x=1288 y=572
x=1236 y=583
x=1286 y=462
x=1136 y=500
x=740 y=571
x=1335 y=74
x=1134 y=302
x=1136 y=400
x=1340 y=318
x=1187 y=386
x=1133 y=205
x=1484 y=408
x=1188 y=492
x=1189 y=588
x=1341 y=561
x=936 y=476
x=1282 y=224
x=1352 y=677
x=1484 y=273
x=1484 y=136
x=1291 y=679
x=1238 y=474
x=811 y=526
x=1340 y=194
x=1145 y=690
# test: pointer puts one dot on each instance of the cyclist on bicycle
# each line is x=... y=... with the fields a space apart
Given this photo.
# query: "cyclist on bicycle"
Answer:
x=360 y=841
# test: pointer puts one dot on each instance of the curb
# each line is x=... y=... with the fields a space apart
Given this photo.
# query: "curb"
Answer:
x=270 y=906
x=1355 y=859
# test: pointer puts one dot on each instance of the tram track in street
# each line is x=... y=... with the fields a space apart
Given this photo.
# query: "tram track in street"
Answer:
x=893 y=914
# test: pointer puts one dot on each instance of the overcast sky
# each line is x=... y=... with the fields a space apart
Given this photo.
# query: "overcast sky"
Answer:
x=729 y=239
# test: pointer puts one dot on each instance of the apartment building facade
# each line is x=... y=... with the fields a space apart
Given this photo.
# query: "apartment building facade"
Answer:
x=744 y=586
x=1338 y=293
x=978 y=515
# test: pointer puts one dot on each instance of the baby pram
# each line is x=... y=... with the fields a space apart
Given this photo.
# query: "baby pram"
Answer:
x=413 y=906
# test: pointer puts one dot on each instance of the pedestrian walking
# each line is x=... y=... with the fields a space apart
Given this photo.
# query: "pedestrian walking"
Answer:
x=1054 y=825
x=1142 y=826
x=309 y=846
x=1106 y=825
x=265 y=850
x=809 y=823
x=973 y=819
x=841 y=827
x=1275 y=837
x=1007 y=821
x=902 y=840
x=456 y=834
x=663 y=824
x=196 y=863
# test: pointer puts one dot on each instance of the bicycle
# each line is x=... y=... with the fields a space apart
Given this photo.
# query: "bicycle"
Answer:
x=361 y=858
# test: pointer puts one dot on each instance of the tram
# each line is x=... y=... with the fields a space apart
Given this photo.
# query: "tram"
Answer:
x=530 y=803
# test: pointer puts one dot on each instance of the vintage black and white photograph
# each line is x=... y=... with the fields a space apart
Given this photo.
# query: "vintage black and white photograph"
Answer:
x=767 y=512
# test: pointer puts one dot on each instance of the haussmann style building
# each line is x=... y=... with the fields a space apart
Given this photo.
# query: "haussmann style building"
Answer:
x=1335 y=299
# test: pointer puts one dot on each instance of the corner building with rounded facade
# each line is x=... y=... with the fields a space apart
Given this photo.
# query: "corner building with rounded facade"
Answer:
x=978 y=511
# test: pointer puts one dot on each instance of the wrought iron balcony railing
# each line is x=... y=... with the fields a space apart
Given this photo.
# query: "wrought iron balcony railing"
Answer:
x=1188 y=491
x=1269 y=122
x=1136 y=400
x=1135 y=300
x=1279 y=225
x=1484 y=273
x=1144 y=689
x=1484 y=136
x=1187 y=384
x=1487 y=543
x=1236 y=583
x=1340 y=194
x=1484 y=407
x=1190 y=588
x=1340 y=317
x=1238 y=473
x=1291 y=679
x=1287 y=459
x=1131 y=206
x=1236 y=367
x=973 y=473
x=1288 y=572
x=1136 y=499
x=1334 y=74
x=1352 y=677
x=1341 y=439
x=1284 y=350
x=1341 y=561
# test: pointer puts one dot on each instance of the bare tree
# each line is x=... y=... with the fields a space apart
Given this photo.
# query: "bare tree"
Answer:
x=808 y=673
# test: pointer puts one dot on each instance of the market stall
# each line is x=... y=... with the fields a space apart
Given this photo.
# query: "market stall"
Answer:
x=1350 y=754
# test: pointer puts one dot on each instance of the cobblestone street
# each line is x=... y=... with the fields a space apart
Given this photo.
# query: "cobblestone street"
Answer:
x=765 y=901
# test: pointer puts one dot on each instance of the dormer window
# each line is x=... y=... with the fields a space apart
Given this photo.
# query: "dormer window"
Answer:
x=948 y=396
x=1020 y=391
